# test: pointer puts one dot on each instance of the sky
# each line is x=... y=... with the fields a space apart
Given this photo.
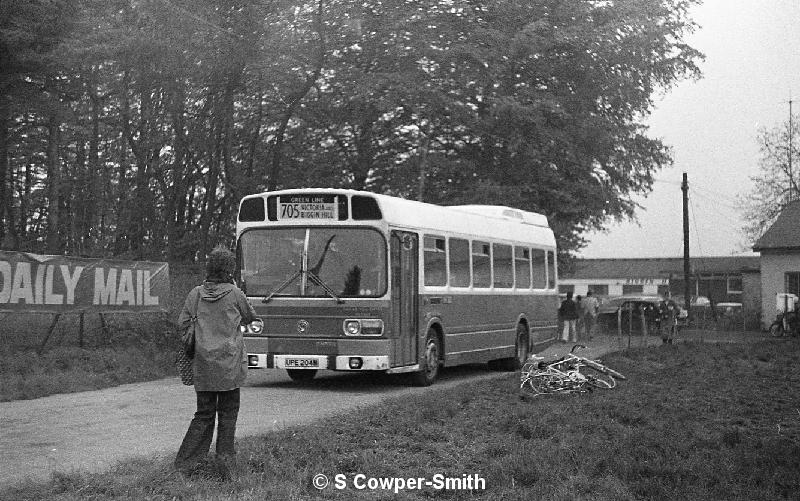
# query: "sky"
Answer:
x=751 y=70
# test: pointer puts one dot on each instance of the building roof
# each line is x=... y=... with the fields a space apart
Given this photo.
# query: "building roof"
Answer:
x=660 y=267
x=784 y=232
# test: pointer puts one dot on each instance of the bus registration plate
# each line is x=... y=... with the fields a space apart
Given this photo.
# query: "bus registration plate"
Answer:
x=300 y=362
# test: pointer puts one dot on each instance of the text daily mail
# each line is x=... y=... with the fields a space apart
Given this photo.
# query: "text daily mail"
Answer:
x=24 y=283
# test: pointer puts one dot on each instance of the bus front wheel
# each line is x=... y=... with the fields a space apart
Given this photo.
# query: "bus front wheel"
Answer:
x=429 y=369
x=301 y=374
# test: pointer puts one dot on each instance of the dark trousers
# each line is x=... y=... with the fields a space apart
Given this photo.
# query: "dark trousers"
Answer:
x=197 y=441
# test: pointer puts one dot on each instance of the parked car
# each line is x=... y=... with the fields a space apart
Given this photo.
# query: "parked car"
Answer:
x=694 y=301
x=631 y=309
x=728 y=309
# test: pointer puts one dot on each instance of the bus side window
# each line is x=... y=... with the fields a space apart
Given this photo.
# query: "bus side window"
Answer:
x=459 y=263
x=503 y=271
x=481 y=264
x=522 y=267
x=551 y=270
x=435 y=265
x=539 y=262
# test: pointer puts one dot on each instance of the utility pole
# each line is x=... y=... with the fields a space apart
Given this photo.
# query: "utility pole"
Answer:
x=686 y=268
x=791 y=180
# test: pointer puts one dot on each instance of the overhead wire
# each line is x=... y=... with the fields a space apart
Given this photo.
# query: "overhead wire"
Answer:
x=708 y=192
x=721 y=218
x=716 y=206
x=694 y=220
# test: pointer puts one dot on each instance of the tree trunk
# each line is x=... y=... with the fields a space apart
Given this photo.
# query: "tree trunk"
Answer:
x=121 y=243
x=53 y=185
x=177 y=190
x=255 y=137
x=141 y=152
x=89 y=224
x=273 y=176
x=5 y=194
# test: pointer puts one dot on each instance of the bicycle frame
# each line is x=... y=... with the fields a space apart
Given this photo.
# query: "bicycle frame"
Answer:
x=563 y=375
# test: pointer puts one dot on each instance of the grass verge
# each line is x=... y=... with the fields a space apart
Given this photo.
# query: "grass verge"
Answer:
x=28 y=374
x=693 y=421
x=134 y=347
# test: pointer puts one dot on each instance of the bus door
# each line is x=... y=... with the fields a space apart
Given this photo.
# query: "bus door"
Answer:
x=405 y=261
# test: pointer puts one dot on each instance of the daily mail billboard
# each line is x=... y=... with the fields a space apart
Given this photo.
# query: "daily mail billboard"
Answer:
x=33 y=282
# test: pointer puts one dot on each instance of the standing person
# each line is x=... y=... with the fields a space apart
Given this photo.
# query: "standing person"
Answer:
x=220 y=361
x=568 y=312
x=579 y=333
x=589 y=314
x=669 y=322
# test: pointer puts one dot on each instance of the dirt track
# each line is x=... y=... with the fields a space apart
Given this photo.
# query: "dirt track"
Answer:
x=94 y=430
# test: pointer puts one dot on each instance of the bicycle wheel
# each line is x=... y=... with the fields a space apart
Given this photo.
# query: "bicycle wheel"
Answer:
x=537 y=384
x=776 y=329
x=545 y=382
x=603 y=369
x=602 y=382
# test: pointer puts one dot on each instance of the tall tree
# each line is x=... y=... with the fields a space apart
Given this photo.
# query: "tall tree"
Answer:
x=778 y=180
x=30 y=30
x=159 y=116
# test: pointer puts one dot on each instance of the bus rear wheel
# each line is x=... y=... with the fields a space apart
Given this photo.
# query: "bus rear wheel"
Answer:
x=521 y=349
x=301 y=374
x=429 y=369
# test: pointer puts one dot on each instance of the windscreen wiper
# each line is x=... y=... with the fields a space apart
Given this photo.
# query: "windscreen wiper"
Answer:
x=282 y=286
x=318 y=281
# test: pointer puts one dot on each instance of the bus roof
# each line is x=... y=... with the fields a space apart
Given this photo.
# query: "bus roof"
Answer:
x=489 y=221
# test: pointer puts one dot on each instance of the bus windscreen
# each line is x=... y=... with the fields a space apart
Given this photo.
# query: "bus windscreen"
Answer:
x=351 y=262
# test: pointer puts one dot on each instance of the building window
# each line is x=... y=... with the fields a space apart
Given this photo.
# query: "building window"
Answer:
x=598 y=289
x=632 y=289
x=435 y=269
x=792 y=282
x=564 y=288
x=734 y=285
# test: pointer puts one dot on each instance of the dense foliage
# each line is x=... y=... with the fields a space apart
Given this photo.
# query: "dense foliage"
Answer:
x=133 y=127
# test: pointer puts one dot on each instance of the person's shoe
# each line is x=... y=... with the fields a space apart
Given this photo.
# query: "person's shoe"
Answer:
x=225 y=464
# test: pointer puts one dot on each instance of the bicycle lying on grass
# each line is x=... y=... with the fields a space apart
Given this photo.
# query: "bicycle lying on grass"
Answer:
x=564 y=375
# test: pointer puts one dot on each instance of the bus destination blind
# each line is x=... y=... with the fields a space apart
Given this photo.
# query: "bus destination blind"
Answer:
x=296 y=207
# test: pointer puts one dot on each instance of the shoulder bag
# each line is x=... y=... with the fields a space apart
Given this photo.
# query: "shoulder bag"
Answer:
x=185 y=357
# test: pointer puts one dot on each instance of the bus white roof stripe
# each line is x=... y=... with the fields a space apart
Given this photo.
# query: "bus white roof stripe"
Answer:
x=487 y=221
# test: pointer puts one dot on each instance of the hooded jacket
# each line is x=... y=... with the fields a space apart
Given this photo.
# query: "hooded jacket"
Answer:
x=220 y=360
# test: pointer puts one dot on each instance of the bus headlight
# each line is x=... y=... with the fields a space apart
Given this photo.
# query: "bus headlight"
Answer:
x=363 y=327
x=352 y=327
x=254 y=327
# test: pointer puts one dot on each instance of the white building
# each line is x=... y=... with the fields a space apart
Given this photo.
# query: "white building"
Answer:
x=779 y=247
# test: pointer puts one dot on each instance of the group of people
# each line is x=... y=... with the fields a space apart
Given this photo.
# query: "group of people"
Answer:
x=579 y=317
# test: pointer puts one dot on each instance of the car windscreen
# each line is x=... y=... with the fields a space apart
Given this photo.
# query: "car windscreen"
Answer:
x=313 y=262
